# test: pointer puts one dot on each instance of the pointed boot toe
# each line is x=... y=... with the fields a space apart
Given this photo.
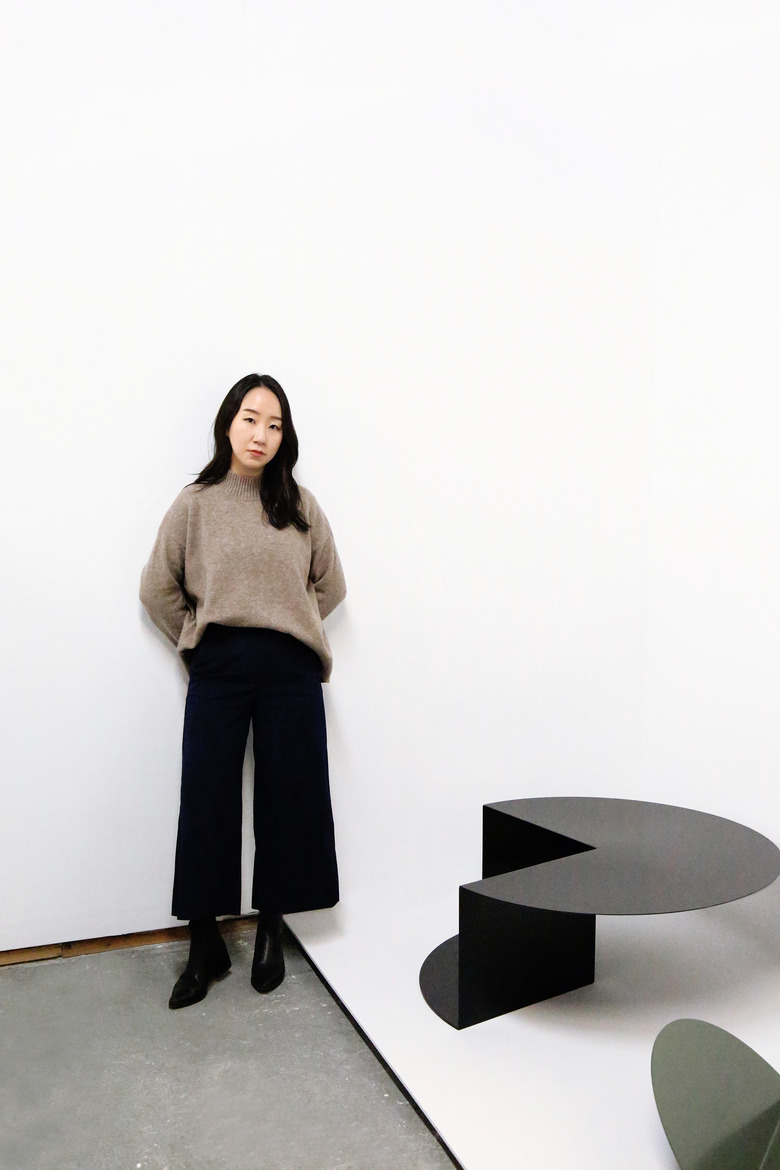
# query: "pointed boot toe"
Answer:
x=267 y=977
x=188 y=988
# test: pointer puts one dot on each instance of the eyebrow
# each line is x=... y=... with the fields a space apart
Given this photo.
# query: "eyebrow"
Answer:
x=273 y=417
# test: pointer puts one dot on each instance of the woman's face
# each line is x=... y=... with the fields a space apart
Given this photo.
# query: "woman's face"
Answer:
x=256 y=432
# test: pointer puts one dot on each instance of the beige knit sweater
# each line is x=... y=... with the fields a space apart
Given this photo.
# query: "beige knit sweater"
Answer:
x=217 y=559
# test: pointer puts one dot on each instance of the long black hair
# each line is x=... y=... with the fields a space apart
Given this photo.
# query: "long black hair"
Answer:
x=279 y=493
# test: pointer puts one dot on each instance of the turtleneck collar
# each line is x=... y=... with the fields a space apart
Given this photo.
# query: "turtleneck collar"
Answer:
x=242 y=487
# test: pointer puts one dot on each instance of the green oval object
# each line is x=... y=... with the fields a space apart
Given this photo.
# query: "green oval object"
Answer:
x=718 y=1100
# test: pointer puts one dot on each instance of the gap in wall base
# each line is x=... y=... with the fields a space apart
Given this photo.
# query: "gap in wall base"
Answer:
x=116 y=942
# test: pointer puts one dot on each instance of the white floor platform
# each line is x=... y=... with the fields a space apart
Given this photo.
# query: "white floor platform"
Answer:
x=564 y=1084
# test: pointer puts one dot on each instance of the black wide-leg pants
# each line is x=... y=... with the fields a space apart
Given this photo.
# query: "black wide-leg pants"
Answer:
x=240 y=676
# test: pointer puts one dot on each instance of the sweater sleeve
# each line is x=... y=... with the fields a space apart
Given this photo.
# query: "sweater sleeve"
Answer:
x=325 y=573
x=162 y=581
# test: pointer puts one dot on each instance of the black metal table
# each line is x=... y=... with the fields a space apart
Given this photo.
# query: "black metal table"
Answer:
x=550 y=865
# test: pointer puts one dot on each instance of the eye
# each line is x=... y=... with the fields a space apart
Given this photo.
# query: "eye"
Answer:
x=275 y=427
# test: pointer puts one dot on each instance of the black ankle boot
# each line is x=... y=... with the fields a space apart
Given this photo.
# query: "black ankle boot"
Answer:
x=268 y=963
x=209 y=959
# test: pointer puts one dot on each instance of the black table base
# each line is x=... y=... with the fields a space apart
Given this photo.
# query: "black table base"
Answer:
x=507 y=957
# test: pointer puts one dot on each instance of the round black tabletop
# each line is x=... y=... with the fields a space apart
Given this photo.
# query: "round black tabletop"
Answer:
x=633 y=857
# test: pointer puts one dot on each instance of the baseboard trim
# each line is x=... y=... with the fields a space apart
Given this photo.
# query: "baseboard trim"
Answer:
x=114 y=942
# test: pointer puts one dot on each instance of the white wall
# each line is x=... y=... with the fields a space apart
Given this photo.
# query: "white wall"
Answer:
x=516 y=266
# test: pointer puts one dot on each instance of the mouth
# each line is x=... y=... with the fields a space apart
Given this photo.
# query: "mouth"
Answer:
x=259 y=454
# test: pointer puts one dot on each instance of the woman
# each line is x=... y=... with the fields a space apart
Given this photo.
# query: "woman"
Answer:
x=242 y=573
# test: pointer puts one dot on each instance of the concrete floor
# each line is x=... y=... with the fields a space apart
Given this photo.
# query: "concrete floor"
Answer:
x=96 y=1073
